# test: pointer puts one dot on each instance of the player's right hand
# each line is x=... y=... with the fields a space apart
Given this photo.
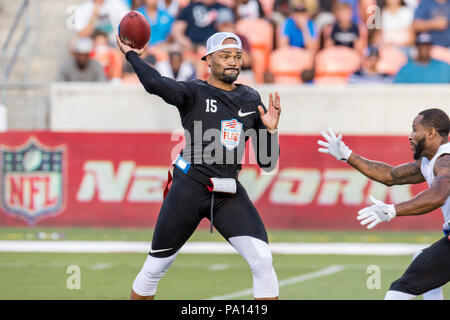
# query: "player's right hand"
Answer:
x=334 y=145
x=125 y=48
x=376 y=213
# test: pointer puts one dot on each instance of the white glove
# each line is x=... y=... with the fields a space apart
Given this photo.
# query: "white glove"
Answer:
x=334 y=145
x=376 y=213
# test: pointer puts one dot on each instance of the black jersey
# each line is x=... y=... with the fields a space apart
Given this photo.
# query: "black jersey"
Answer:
x=217 y=122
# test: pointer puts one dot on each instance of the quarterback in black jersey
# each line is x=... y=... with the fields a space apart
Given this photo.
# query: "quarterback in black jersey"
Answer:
x=218 y=117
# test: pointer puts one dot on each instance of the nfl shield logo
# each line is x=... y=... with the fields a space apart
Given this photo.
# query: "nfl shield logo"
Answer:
x=230 y=133
x=32 y=180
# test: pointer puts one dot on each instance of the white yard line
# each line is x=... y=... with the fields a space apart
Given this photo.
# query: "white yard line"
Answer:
x=346 y=248
x=218 y=267
x=301 y=278
x=101 y=266
x=97 y=266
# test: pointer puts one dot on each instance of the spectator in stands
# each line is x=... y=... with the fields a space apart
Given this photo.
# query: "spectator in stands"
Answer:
x=324 y=17
x=299 y=30
x=344 y=32
x=81 y=67
x=396 y=23
x=324 y=20
x=196 y=23
x=424 y=69
x=109 y=57
x=432 y=16
x=176 y=68
x=103 y=15
x=159 y=19
x=248 y=9
x=368 y=72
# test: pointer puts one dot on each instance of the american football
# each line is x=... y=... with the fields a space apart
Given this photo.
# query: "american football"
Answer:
x=134 y=30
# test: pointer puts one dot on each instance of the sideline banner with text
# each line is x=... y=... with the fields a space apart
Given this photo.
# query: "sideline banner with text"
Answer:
x=117 y=180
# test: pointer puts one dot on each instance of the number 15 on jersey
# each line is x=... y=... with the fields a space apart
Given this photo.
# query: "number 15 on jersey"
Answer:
x=211 y=105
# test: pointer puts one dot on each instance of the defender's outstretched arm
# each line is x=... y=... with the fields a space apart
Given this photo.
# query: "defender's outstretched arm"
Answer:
x=408 y=173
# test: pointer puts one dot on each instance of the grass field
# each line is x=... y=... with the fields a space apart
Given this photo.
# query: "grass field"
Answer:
x=39 y=275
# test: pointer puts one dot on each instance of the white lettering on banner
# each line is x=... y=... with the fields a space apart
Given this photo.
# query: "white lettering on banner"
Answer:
x=349 y=183
x=284 y=191
x=400 y=193
x=148 y=184
x=258 y=182
x=294 y=186
x=99 y=176
x=396 y=193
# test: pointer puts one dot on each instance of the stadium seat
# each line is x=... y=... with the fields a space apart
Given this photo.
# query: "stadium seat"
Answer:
x=259 y=33
x=440 y=53
x=336 y=64
x=391 y=60
x=287 y=64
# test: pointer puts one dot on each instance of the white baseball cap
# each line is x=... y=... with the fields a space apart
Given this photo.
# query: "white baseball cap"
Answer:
x=215 y=42
x=83 y=45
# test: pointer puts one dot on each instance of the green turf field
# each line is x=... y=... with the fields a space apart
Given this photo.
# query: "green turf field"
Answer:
x=198 y=276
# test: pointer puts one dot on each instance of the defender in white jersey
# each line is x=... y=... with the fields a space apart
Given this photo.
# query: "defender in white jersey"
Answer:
x=430 y=268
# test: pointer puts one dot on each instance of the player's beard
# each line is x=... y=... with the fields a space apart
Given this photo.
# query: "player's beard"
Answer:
x=418 y=148
x=229 y=78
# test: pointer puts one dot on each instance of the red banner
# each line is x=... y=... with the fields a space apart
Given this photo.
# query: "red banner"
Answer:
x=117 y=180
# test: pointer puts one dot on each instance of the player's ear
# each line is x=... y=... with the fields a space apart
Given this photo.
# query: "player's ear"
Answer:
x=209 y=60
x=431 y=132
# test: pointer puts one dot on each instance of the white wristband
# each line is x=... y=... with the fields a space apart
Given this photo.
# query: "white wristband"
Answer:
x=347 y=155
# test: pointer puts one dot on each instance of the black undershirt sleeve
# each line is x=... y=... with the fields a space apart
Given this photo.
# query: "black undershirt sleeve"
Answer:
x=171 y=91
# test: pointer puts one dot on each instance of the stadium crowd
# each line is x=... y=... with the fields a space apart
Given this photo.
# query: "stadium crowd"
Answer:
x=284 y=41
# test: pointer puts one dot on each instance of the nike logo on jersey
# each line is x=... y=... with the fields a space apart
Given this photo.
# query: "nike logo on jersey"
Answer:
x=160 y=250
x=243 y=114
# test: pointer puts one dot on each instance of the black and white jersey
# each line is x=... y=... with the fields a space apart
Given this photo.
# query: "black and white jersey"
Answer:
x=427 y=169
x=217 y=122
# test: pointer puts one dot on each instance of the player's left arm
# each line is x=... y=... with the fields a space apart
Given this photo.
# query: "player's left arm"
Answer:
x=432 y=198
